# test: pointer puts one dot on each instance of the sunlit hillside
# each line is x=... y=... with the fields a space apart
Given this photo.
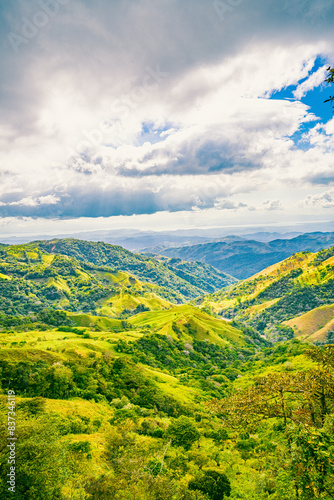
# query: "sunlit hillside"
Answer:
x=279 y=300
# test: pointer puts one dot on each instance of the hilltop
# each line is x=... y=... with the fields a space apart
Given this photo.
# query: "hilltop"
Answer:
x=293 y=297
x=33 y=280
x=55 y=308
x=185 y=279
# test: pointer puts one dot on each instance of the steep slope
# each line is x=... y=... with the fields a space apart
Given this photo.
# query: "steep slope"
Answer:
x=314 y=325
x=188 y=323
x=32 y=280
x=56 y=312
x=187 y=281
x=118 y=408
x=243 y=258
x=285 y=299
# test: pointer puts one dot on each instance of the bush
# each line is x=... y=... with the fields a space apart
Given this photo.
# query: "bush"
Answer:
x=213 y=483
x=183 y=432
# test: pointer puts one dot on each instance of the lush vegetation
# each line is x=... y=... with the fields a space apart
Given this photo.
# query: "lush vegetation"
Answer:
x=186 y=280
x=278 y=302
x=122 y=394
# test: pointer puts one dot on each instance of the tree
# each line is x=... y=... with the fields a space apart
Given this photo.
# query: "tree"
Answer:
x=183 y=432
x=213 y=483
x=300 y=398
x=330 y=79
x=304 y=402
x=42 y=462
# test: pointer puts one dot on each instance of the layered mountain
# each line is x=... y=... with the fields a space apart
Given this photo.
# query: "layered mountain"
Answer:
x=73 y=308
x=185 y=280
x=293 y=297
x=243 y=258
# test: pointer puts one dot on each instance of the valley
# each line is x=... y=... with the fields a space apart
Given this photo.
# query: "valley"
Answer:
x=140 y=376
x=243 y=257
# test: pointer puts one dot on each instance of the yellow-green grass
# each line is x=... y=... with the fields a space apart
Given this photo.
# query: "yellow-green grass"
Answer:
x=315 y=323
x=59 y=283
x=72 y=408
x=203 y=326
x=285 y=266
x=329 y=262
x=312 y=274
x=5 y=277
x=47 y=259
x=258 y=308
x=90 y=321
x=117 y=302
x=170 y=385
x=54 y=345
x=292 y=364
x=258 y=283
x=322 y=334
x=216 y=304
x=33 y=254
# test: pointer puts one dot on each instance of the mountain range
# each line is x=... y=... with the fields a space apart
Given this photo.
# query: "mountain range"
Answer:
x=243 y=258
x=294 y=297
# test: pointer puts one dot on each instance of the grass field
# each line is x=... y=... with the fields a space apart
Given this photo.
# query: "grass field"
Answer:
x=314 y=324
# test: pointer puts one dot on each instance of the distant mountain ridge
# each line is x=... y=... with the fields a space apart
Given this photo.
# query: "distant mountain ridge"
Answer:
x=292 y=297
x=243 y=258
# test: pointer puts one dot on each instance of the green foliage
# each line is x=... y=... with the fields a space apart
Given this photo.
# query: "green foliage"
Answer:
x=303 y=401
x=183 y=432
x=104 y=379
x=41 y=464
x=215 y=484
x=296 y=286
x=53 y=318
x=198 y=360
x=178 y=280
x=329 y=79
x=123 y=412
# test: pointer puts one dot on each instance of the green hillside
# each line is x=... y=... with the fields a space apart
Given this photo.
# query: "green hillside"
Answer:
x=292 y=297
x=120 y=393
x=187 y=323
x=32 y=281
x=186 y=280
x=100 y=412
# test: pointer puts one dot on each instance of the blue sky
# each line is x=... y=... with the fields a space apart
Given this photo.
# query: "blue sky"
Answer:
x=182 y=113
x=314 y=98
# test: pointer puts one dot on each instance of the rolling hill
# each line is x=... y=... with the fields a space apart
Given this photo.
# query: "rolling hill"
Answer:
x=293 y=297
x=187 y=280
x=33 y=280
x=243 y=258
x=55 y=309
x=114 y=384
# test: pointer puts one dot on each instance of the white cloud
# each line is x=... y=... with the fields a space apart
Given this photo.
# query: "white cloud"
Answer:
x=314 y=80
x=322 y=200
x=73 y=144
x=272 y=205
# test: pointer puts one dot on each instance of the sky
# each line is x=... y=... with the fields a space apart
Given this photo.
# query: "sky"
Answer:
x=165 y=114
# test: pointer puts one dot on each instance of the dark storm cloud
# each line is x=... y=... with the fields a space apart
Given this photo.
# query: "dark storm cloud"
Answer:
x=94 y=202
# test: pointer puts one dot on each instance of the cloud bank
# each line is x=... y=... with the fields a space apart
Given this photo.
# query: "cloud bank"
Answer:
x=124 y=108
